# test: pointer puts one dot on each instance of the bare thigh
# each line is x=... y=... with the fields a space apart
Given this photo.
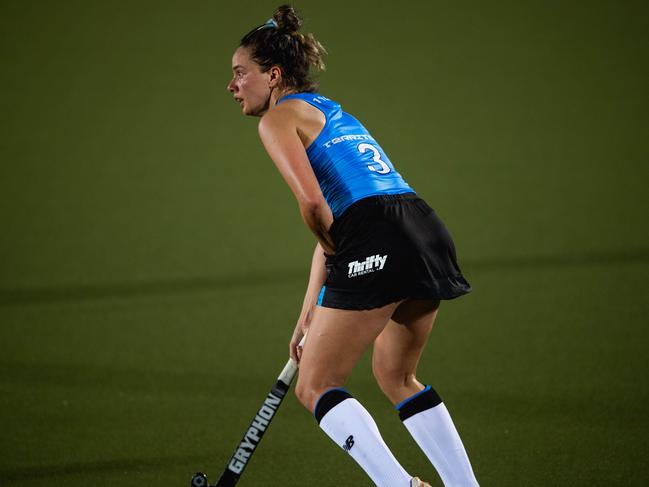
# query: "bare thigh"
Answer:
x=398 y=348
x=337 y=338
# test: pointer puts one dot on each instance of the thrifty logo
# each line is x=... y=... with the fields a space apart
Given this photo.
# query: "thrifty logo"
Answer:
x=370 y=264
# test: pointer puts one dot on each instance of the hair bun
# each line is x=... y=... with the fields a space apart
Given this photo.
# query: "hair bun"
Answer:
x=287 y=19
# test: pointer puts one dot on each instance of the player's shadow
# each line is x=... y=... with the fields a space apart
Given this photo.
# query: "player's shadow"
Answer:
x=72 y=293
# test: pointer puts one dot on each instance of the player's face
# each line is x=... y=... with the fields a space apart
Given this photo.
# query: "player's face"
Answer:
x=249 y=85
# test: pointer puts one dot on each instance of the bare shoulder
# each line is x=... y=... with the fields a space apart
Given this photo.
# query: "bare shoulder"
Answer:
x=279 y=116
x=304 y=111
x=306 y=119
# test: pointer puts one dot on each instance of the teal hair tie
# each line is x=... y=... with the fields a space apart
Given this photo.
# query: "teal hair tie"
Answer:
x=271 y=23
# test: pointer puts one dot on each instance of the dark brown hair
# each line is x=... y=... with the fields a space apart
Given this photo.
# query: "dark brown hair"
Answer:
x=278 y=43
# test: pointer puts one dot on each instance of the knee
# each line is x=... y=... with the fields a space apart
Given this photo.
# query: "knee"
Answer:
x=303 y=395
x=308 y=391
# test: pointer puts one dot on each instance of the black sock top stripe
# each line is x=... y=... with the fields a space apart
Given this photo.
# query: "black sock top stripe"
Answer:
x=426 y=399
x=328 y=401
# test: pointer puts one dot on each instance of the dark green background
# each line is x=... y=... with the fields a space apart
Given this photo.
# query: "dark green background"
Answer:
x=153 y=262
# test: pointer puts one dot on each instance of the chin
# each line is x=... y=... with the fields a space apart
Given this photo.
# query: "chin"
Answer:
x=246 y=110
x=257 y=110
x=253 y=113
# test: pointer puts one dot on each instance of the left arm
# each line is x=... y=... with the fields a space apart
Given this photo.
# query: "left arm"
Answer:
x=278 y=133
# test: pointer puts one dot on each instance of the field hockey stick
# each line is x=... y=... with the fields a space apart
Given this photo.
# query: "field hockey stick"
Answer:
x=255 y=431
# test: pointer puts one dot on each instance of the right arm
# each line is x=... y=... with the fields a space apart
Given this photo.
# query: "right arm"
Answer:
x=317 y=278
x=279 y=134
x=278 y=130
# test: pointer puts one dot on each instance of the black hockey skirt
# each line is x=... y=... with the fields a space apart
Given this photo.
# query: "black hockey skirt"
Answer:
x=388 y=248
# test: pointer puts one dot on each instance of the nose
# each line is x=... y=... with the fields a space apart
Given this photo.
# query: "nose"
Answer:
x=230 y=86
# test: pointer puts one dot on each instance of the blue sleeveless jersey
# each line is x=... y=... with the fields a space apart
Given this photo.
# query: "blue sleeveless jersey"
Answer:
x=348 y=163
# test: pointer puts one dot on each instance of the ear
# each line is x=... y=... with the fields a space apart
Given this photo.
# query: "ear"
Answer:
x=275 y=76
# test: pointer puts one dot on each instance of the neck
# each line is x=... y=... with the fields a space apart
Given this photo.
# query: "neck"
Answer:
x=276 y=94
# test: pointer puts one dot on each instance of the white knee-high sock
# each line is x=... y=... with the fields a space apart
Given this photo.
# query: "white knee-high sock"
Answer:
x=352 y=428
x=428 y=421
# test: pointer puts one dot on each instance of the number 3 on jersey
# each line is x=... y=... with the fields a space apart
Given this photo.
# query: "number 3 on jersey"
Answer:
x=382 y=167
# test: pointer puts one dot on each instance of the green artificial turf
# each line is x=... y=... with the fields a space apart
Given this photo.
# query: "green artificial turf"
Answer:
x=153 y=262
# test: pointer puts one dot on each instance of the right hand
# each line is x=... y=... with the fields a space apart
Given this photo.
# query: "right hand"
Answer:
x=302 y=326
